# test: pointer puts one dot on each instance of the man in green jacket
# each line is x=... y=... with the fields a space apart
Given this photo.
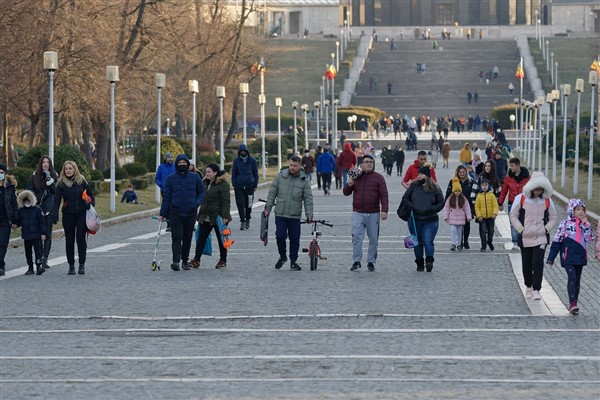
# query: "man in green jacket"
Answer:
x=289 y=190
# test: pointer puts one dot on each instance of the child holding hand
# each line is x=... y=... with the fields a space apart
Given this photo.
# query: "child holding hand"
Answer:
x=457 y=212
x=570 y=241
x=486 y=210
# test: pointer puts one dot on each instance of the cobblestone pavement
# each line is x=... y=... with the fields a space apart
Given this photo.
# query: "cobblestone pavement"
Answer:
x=250 y=331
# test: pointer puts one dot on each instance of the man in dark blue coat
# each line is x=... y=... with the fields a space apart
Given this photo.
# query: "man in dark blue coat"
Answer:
x=244 y=179
x=182 y=195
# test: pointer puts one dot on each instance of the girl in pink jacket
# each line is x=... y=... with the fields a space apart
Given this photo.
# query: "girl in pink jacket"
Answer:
x=457 y=212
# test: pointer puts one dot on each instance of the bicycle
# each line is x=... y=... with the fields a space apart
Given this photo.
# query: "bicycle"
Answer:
x=314 y=250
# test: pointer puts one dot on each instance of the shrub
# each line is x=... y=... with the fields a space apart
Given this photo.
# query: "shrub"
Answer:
x=96 y=175
x=22 y=175
x=61 y=154
x=135 y=169
x=120 y=173
x=96 y=186
x=139 y=183
x=502 y=114
x=145 y=153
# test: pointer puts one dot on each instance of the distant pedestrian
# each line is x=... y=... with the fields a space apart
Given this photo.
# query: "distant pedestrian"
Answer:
x=9 y=212
x=308 y=164
x=457 y=213
x=244 y=178
x=511 y=87
x=496 y=71
x=570 y=241
x=486 y=211
x=129 y=195
x=33 y=231
x=475 y=96
x=469 y=96
x=326 y=167
x=389 y=87
x=446 y=148
x=399 y=156
x=369 y=206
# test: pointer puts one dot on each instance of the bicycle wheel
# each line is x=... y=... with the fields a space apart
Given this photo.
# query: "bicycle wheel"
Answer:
x=313 y=252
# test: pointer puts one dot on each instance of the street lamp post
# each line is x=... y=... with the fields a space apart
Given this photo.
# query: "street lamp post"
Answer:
x=540 y=107
x=221 y=96
x=556 y=75
x=50 y=65
x=295 y=107
x=552 y=67
x=555 y=97
x=336 y=104
x=160 y=82
x=579 y=87
x=244 y=90
x=566 y=92
x=521 y=131
x=349 y=119
x=305 y=109
x=193 y=89
x=547 y=56
x=278 y=104
x=354 y=118
x=112 y=75
x=337 y=53
x=517 y=141
x=593 y=80
x=326 y=103
x=317 y=105
x=549 y=100
x=527 y=134
x=262 y=99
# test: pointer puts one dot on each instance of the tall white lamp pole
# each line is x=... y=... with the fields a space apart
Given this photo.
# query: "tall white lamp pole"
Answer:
x=317 y=105
x=160 y=81
x=295 y=107
x=593 y=80
x=566 y=93
x=579 y=87
x=549 y=100
x=278 y=104
x=193 y=89
x=51 y=65
x=262 y=99
x=336 y=104
x=326 y=103
x=517 y=136
x=305 y=110
x=221 y=96
x=112 y=75
x=555 y=97
x=244 y=90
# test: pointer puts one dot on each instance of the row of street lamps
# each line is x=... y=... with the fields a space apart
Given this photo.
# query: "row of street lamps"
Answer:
x=530 y=132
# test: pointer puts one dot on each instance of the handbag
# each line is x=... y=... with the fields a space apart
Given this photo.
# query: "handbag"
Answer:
x=404 y=210
x=92 y=220
x=411 y=241
x=207 y=250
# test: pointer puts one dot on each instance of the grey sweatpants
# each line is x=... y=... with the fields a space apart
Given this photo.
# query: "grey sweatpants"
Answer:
x=360 y=222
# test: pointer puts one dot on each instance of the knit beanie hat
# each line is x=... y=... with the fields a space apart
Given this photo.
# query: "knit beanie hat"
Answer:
x=214 y=167
x=425 y=171
x=456 y=187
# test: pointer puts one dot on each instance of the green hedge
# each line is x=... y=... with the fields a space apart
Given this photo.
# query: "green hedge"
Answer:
x=135 y=169
x=22 y=175
x=61 y=154
x=145 y=153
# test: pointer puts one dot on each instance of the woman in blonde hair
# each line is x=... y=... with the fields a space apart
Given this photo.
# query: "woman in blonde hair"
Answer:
x=76 y=196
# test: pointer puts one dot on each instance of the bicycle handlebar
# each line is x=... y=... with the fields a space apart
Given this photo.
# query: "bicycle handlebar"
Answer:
x=318 y=221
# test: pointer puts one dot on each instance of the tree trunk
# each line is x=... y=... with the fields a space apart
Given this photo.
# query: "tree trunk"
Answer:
x=65 y=129
x=33 y=121
x=231 y=130
x=102 y=142
x=85 y=131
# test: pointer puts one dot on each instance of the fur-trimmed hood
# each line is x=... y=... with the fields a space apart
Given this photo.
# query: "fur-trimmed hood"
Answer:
x=574 y=203
x=26 y=195
x=538 y=180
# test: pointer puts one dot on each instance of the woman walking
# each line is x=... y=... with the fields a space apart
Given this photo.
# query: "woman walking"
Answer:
x=425 y=200
x=533 y=224
x=489 y=174
x=9 y=211
x=217 y=203
x=446 y=153
x=76 y=196
x=43 y=185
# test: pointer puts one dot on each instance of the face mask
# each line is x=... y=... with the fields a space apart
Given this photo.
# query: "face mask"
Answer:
x=182 y=168
x=2 y=176
x=244 y=156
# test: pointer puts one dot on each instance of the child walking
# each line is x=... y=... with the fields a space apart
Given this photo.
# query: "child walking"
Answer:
x=457 y=212
x=33 y=230
x=570 y=241
x=486 y=210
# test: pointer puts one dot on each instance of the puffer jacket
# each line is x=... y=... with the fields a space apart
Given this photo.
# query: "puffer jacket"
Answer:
x=413 y=171
x=163 y=171
x=369 y=191
x=533 y=230
x=326 y=163
x=571 y=238
x=183 y=193
x=288 y=192
x=458 y=215
x=513 y=185
x=33 y=224
x=424 y=205
x=347 y=157
x=45 y=194
x=465 y=155
x=244 y=173
x=217 y=200
x=486 y=205
x=70 y=192
x=10 y=199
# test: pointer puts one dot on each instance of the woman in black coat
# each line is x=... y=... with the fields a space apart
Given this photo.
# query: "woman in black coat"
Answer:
x=43 y=185
x=76 y=196
x=9 y=216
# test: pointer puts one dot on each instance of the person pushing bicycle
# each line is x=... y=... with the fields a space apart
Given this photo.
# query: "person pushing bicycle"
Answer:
x=369 y=205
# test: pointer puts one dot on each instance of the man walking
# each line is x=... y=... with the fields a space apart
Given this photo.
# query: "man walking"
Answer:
x=413 y=170
x=244 y=179
x=513 y=185
x=326 y=167
x=183 y=194
x=289 y=191
x=369 y=205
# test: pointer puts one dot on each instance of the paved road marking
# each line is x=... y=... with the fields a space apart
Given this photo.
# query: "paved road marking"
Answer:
x=108 y=247
x=276 y=380
x=301 y=330
x=314 y=357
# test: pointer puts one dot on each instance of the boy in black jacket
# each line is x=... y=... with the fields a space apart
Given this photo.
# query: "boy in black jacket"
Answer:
x=33 y=230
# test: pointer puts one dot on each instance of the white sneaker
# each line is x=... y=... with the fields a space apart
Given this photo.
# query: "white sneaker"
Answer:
x=515 y=246
x=529 y=293
x=537 y=295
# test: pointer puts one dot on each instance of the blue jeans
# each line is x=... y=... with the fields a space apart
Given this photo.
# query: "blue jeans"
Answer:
x=426 y=231
x=344 y=177
x=284 y=228
x=513 y=232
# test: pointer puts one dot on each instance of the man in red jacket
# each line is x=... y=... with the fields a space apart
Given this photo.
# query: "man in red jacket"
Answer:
x=413 y=170
x=347 y=161
x=513 y=185
x=370 y=191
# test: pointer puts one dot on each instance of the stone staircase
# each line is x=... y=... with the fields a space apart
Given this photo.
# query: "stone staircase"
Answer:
x=450 y=73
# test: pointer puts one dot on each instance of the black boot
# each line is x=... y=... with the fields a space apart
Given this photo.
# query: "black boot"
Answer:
x=39 y=269
x=420 y=264
x=71 y=270
x=30 y=270
x=429 y=263
x=81 y=269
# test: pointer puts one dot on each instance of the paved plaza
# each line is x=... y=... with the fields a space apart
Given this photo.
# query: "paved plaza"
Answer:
x=464 y=330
